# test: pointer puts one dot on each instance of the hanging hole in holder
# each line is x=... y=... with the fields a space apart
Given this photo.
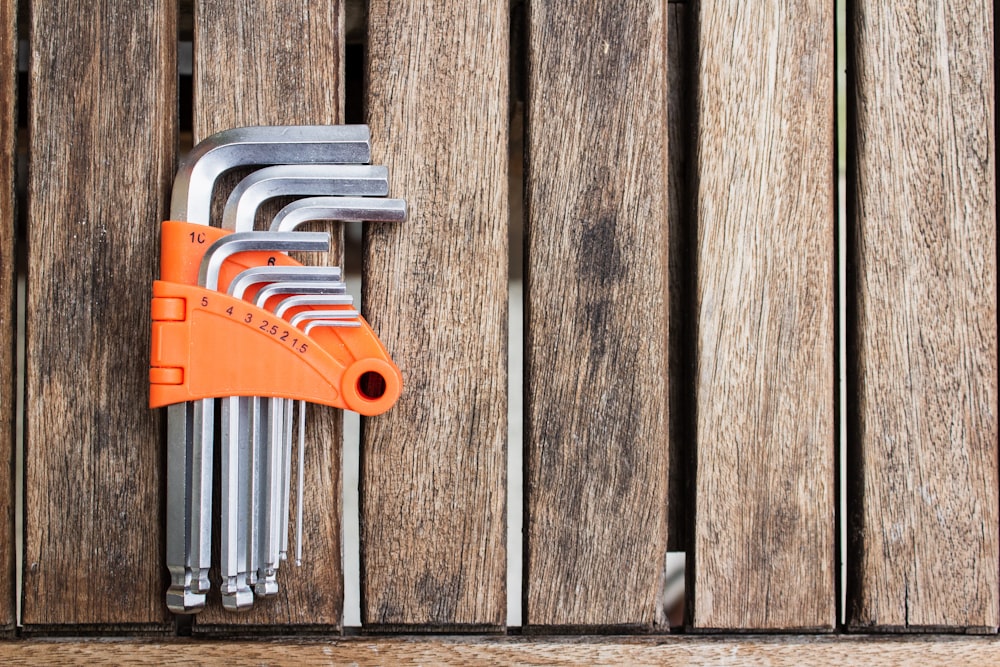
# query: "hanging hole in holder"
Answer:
x=371 y=385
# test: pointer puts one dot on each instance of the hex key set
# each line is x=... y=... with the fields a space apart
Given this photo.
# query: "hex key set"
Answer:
x=239 y=323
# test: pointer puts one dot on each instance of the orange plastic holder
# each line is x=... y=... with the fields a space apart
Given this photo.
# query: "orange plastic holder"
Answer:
x=206 y=344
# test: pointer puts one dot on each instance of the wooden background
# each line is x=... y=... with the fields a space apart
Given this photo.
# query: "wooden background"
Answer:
x=681 y=309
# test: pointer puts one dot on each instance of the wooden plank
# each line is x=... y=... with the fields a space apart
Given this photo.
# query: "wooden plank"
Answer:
x=923 y=529
x=8 y=287
x=102 y=128
x=764 y=545
x=265 y=63
x=435 y=290
x=596 y=326
x=776 y=651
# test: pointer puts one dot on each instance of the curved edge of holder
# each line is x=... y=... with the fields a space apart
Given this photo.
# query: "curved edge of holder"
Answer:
x=206 y=344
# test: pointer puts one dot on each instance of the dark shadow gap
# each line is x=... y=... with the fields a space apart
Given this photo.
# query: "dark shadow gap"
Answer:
x=684 y=408
x=20 y=297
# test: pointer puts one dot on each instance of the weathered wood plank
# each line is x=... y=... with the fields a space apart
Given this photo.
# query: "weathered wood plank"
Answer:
x=266 y=63
x=596 y=446
x=102 y=127
x=776 y=651
x=764 y=547
x=435 y=289
x=923 y=530
x=8 y=287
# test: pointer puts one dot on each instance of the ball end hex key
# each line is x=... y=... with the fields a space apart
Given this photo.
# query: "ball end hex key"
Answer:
x=240 y=450
x=332 y=183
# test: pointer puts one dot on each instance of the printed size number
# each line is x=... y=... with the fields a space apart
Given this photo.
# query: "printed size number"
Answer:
x=266 y=326
x=273 y=330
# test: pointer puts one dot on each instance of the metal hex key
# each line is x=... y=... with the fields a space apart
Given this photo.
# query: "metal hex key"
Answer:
x=298 y=180
x=262 y=472
x=239 y=215
x=241 y=449
x=281 y=311
x=342 y=209
x=188 y=548
x=319 y=320
x=237 y=596
x=235 y=511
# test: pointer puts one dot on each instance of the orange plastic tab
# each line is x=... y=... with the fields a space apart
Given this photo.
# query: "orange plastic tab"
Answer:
x=228 y=347
x=168 y=309
x=166 y=375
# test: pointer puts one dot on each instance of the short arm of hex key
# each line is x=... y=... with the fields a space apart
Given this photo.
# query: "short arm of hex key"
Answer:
x=300 y=180
x=303 y=144
x=342 y=209
x=183 y=246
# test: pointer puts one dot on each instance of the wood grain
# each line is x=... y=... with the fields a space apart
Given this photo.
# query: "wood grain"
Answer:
x=433 y=469
x=775 y=651
x=269 y=63
x=8 y=288
x=596 y=446
x=764 y=548
x=102 y=127
x=923 y=529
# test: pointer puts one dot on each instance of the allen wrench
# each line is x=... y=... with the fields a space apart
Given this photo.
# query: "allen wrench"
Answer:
x=320 y=320
x=267 y=542
x=236 y=510
x=204 y=410
x=300 y=180
x=239 y=215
